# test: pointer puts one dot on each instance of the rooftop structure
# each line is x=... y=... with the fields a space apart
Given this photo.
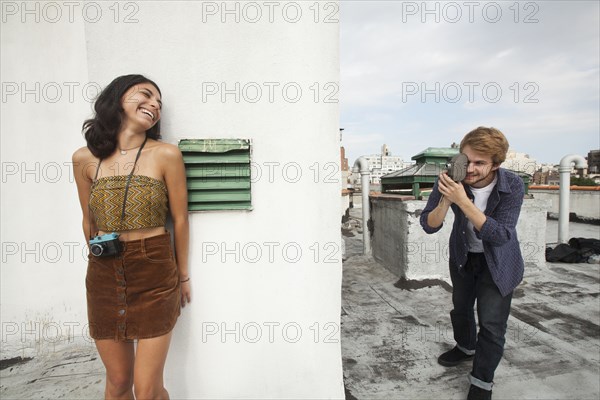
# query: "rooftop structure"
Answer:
x=413 y=179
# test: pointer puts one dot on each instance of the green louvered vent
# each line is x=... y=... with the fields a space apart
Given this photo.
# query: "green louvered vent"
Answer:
x=218 y=173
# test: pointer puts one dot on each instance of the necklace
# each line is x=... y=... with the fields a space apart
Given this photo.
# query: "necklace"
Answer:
x=124 y=151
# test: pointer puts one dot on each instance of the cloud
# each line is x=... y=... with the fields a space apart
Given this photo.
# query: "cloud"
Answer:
x=539 y=78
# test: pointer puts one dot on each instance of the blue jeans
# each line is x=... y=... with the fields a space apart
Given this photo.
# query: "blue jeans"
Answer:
x=475 y=282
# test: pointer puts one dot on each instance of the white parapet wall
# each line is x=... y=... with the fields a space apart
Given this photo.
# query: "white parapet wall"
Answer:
x=402 y=246
x=345 y=203
x=585 y=204
x=264 y=321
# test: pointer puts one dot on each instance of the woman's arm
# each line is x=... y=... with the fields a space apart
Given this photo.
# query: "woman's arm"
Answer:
x=175 y=179
x=82 y=160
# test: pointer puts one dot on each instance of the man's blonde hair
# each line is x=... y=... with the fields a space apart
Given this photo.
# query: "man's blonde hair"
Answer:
x=487 y=141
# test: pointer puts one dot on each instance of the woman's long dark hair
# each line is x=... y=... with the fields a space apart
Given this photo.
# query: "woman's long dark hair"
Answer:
x=101 y=131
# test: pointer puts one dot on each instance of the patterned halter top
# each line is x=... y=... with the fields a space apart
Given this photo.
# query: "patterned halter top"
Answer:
x=147 y=202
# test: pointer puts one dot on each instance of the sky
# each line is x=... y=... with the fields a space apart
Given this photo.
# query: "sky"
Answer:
x=417 y=75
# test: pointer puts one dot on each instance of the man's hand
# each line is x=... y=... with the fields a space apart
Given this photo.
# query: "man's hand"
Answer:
x=455 y=193
x=452 y=191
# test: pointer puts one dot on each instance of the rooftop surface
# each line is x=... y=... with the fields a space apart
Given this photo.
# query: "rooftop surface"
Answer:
x=392 y=334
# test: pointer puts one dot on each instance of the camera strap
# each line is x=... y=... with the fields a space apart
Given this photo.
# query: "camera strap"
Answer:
x=129 y=179
x=126 y=186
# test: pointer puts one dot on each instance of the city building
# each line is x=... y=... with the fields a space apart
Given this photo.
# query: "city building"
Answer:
x=593 y=161
x=520 y=162
x=381 y=164
x=546 y=176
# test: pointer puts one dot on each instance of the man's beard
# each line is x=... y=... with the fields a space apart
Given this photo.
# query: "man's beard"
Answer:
x=477 y=179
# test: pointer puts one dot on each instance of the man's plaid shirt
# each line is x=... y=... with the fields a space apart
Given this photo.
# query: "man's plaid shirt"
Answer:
x=498 y=233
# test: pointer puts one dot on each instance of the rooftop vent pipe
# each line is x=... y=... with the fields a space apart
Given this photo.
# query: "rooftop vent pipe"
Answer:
x=564 y=189
x=362 y=165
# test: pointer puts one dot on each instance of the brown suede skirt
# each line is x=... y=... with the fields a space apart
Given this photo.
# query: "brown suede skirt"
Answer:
x=136 y=294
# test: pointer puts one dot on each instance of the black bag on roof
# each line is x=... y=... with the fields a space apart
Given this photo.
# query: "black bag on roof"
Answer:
x=578 y=250
x=584 y=243
x=564 y=253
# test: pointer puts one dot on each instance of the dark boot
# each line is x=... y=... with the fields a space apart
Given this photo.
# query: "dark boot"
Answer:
x=453 y=357
x=477 y=393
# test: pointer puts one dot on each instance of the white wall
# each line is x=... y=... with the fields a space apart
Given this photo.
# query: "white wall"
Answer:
x=44 y=70
x=259 y=326
x=402 y=246
x=584 y=203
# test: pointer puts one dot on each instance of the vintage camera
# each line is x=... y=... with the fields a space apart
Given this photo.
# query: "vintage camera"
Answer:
x=106 y=245
x=457 y=167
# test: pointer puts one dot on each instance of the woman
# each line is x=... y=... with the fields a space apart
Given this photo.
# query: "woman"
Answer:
x=131 y=181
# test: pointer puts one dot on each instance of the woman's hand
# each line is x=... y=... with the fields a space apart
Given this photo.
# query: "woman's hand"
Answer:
x=186 y=292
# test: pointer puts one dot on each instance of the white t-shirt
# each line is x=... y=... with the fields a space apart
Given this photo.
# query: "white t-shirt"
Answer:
x=481 y=196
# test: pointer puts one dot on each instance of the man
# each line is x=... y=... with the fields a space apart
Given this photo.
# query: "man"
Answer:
x=485 y=259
